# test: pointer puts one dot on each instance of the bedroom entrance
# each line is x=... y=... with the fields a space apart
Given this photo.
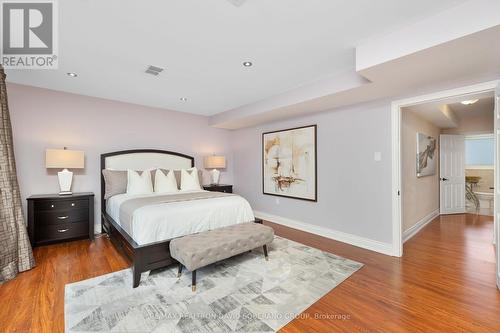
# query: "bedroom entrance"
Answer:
x=444 y=155
x=441 y=143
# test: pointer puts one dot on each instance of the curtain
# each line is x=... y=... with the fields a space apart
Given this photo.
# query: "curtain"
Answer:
x=15 y=248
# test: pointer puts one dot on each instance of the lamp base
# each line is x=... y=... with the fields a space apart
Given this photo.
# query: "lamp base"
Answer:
x=214 y=177
x=65 y=179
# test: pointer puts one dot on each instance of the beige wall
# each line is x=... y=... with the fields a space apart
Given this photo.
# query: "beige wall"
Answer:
x=481 y=124
x=420 y=196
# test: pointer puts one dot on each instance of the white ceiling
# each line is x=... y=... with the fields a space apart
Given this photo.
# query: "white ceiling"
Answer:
x=202 y=45
x=456 y=63
x=483 y=107
x=432 y=112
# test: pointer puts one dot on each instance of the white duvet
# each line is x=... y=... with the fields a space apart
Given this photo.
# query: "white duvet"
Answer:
x=168 y=220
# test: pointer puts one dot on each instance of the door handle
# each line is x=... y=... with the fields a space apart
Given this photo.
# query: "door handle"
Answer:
x=444 y=179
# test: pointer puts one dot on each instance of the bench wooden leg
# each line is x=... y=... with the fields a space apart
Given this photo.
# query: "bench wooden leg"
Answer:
x=265 y=252
x=193 y=280
x=179 y=272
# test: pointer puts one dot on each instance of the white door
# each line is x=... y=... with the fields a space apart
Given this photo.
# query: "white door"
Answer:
x=452 y=173
x=497 y=180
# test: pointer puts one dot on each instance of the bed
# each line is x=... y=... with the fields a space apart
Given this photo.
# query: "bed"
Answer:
x=141 y=226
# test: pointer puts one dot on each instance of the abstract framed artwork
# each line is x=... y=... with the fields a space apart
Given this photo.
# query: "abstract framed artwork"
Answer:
x=289 y=163
x=426 y=155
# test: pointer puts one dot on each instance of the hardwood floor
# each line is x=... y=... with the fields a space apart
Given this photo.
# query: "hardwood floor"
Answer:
x=445 y=282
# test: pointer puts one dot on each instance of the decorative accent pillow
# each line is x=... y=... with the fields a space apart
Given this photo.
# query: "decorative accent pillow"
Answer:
x=165 y=183
x=189 y=180
x=115 y=182
x=177 y=174
x=139 y=184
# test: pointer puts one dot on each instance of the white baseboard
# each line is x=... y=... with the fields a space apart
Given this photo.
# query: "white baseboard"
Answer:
x=365 y=243
x=419 y=225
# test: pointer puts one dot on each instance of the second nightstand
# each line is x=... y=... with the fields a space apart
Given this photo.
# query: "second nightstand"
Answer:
x=53 y=218
x=219 y=188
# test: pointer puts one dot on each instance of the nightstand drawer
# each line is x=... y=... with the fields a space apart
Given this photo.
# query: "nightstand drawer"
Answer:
x=61 y=204
x=61 y=216
x=61 y=231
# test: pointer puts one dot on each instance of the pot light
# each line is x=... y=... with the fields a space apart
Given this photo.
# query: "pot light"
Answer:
x=184 y=99
x=247 y=64
x=469 y=101
x=72 y=74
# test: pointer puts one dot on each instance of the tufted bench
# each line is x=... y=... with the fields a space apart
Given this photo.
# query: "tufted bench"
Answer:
x=205 y=248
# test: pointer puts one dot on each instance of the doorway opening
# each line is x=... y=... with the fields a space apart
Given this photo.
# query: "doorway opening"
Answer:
x=451 y=117
x=447 y=159
x=480 y=174
x=453 y=149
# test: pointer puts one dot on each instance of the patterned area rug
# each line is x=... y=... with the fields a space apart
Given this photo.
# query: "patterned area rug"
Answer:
x=241 y=294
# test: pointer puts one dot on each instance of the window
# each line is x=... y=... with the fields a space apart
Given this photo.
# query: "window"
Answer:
x=479 y=151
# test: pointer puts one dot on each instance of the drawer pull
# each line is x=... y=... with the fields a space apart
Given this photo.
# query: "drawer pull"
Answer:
x=72 y=204
x=62 y=217
x=62 y=230
x=51 y=206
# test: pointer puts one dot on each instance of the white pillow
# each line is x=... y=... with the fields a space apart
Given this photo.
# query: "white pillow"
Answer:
x=139 y=184
x=165 y=183
x=190 y=181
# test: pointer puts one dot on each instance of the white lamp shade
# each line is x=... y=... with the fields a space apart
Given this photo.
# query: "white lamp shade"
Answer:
x=64 y=159
x=214 y=162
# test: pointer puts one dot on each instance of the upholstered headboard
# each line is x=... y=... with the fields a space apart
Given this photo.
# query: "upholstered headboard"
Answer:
x=142 y=159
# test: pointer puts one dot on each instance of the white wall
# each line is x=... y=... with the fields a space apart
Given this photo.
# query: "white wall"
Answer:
x=44 y=118
x=354 y=191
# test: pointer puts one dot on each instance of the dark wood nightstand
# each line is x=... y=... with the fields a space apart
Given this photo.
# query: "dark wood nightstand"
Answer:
x=219 y=188
x=54 y=218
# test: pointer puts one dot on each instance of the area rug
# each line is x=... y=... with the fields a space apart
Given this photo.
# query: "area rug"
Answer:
x=245 y=293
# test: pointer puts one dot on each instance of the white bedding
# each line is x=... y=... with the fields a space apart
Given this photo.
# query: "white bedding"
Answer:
x=168 y=220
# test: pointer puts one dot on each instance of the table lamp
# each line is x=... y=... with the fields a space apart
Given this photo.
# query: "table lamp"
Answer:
x=214 y=162
x=64 y=159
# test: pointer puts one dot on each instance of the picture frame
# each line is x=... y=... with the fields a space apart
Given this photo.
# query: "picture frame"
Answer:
x=426 y=155
x=289 y=163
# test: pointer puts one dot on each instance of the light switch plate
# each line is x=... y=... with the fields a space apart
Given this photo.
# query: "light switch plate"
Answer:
x=377 y=156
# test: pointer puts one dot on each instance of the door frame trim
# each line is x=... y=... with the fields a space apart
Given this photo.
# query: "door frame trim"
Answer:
x=397 y=234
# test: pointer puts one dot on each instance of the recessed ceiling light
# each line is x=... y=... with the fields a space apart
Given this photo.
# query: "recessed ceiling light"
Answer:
x=184 y=99
x=469 y=101
x=247 y=64
x=72 y=74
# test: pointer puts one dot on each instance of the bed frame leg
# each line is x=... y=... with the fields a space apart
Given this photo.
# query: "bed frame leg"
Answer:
x=193 y=280
x=136 y=272
x=265 y=252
